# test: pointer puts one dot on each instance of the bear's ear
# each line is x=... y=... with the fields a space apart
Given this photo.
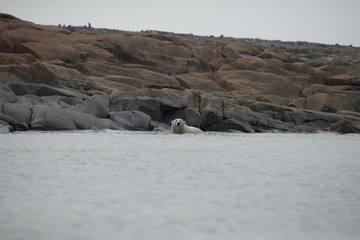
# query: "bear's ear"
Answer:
x=172 y=121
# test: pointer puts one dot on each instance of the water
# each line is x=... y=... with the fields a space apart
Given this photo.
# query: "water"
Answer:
x=158 y=186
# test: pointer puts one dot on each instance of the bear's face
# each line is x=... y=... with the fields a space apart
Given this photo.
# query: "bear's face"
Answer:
x=177 y=125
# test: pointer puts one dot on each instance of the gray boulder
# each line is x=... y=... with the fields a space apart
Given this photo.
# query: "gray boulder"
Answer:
x=17 y=126
x=47 y=117
x=71 y=101
x=93 y=107
x=6 y=94
x=132 y=120
x=19 y=111
x=5 y=127
x=101 y=98
x=24 y=100
x=293 y=119
x=87 y=121
x=36 y=100
x=211 y=109
x=219 y=114
x=230 y=124
x=154 y=102
x=55 y=118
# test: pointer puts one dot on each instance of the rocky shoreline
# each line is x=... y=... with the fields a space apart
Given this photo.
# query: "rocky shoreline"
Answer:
x=56 y=78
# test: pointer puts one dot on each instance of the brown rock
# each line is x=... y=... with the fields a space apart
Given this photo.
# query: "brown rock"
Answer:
x=238 y=47
x=150 y=79
x=332 y=103
x=270 y=53
x=319 y=102
x=13 y=73
x=243 y=48
x=343 y=79
x=112 y=85
x=5 y=45
x=226 y=52
x=58 y=76
x=259 y=83
x=198 y=81
x=247 y=62
x=50 y=51
x=16 y=58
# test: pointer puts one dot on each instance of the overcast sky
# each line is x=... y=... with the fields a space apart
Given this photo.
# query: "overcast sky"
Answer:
x=322 y=21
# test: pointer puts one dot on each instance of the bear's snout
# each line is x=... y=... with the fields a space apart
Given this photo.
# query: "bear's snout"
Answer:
x=178 y=124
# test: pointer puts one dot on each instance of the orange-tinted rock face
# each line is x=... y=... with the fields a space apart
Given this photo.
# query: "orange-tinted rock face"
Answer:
x=231 y=84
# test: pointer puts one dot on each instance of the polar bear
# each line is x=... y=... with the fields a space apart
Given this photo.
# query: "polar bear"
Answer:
x=179 y=126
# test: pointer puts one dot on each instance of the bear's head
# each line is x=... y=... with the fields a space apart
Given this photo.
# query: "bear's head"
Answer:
x=177 y=125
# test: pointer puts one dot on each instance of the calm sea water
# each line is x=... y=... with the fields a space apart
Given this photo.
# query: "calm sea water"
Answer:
x=158 y=186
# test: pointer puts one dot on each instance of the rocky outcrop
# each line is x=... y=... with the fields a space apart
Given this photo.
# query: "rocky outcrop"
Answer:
x=41 y=107
x=56 y=78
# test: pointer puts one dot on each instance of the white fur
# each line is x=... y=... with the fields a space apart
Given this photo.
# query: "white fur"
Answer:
x=179 y=126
